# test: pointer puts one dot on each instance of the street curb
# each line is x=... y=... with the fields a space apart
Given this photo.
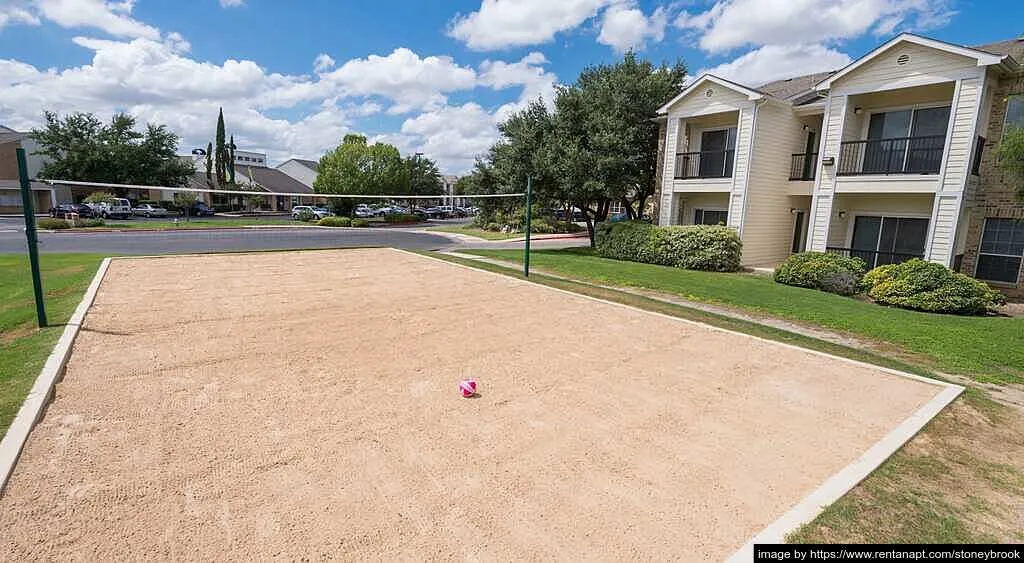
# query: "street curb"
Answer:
x=39 y=396
x=840 y=483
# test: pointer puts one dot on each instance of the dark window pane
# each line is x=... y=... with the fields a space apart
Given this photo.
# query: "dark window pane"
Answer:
x=1014 y=112
x=1003 y=236
x=911 y=236
x=997 y=268
x=930 y=121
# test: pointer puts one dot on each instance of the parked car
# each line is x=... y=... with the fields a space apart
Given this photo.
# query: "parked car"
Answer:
x=65 y=209
x=577 y=215
x=363 y=211
x=149 y=210
x=200 y=209
x=117 y=207
x=318 y=212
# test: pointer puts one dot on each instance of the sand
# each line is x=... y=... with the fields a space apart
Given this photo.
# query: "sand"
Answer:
x=305 y=404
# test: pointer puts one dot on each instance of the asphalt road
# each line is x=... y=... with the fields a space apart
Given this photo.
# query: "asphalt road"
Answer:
x=127 y=242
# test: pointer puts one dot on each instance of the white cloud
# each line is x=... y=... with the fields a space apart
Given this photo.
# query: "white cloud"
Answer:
x=511 y=23
x=624 y=26
x=323 y=62
x=454 y=135
x=527 y=73
x=231 y=3
x=774 y=62
x=111 y=17
x=734 y=23
x=13 y=14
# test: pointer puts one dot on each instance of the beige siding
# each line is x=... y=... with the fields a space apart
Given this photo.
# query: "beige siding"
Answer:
x=916 y=205
x=688 y=203
x=697 y=103
x=963 y=117
x=708 y=122
x=926 y=66
x=821 y=206
x=768 y=225
x=671 y=142
x=944 y=221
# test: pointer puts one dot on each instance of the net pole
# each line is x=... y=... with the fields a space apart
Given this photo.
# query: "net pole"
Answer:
x=31 y=237
x=529 y=215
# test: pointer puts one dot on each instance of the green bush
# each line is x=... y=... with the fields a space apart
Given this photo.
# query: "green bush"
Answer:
x=823 y=271
x=360 y=223
x=399 y=218
x=931 y=287
x=92 y=223
x=306 y=216
x=53 y=224
x=692 y=247
x=335 y=222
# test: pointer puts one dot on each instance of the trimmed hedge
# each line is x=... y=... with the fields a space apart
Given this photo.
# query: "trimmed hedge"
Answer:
x=53 y=224
x=358 y=222
x=692 y=247
x=823 y=271
x=401 y=218
x=931 y=287
x=335 y=222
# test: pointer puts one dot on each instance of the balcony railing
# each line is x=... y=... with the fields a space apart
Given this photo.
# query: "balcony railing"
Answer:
x=704 y=164
x=901 y=155
x=803 y=165
x=873 y=258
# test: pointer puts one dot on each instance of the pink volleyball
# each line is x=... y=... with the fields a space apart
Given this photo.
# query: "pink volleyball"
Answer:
x=468 y=387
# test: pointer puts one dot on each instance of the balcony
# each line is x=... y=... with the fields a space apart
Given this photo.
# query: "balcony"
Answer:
x=803 y=165
x=900 y=155
x=704 y=164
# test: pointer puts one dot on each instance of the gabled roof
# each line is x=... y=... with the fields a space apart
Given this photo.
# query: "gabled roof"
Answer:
x=8 y=135
x=751 y=94
x=311 y=164
x=271 y=179
x=984 y=58
x=791 y=88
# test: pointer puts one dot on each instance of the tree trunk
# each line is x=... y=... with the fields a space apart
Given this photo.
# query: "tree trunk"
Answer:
x=630 y=212
x=590 y=228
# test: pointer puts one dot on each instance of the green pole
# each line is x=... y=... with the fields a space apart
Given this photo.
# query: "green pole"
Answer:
x=529 y=216
x=30 y=234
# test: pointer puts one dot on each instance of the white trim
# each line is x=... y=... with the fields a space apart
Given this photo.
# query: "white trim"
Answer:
x=750 y=94
x=35 y=402
x=749 y=165
x=982 y=58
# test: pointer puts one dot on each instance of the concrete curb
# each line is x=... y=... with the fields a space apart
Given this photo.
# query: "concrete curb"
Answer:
x=840 y=483
x=39 y=396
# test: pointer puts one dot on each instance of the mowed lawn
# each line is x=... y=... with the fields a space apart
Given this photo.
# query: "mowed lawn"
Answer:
x=476 y=232
x=988 y=349
x=23 y=347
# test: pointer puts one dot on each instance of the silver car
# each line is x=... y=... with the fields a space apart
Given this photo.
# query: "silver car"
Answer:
x=149 y=210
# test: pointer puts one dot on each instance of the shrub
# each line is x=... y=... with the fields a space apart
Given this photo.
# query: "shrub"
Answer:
x=823 y=271
x=91 y=223
x=360 y=223
x=693 y=247
x=53 y=224
x=399 y=218
x=927 y=286
x=305 y=216
x=335 y=222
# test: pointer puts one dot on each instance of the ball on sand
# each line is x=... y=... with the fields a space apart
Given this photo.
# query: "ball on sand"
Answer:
x=467 y=387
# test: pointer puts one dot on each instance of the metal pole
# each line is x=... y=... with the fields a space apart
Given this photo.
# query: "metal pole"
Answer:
x=529 y=216
x=30 y=235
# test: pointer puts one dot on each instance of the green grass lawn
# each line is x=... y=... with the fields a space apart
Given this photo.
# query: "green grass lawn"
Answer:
x=24 y=348
x=986 y=348
x=476 y=232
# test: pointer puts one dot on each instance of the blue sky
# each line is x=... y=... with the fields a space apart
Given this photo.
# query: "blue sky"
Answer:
x=435 y=77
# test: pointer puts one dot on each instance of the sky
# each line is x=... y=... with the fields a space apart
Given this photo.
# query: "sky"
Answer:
x=428 y=76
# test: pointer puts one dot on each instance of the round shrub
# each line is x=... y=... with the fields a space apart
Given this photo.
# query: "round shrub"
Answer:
x=53 y=224
x=693 y=247
x=401 y=218
x=359 y=222
x=306 y=216
x=335 y=222
x=823 y=271
x=92 y=223
x=931 y=287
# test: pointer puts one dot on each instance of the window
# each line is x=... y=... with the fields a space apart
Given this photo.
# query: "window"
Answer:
x=710 y=217
x=1002 y=246
x=1014 y=112
x=716 y=153
x=906 y=140
x=888 y=240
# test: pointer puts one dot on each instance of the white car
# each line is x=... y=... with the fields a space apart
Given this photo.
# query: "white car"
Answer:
x=364 y=211
x=149 y=210
x=318 y=212
x=115 y=207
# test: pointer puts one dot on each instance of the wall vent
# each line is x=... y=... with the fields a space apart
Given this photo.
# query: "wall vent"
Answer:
x=903 y=59
x=709 y=92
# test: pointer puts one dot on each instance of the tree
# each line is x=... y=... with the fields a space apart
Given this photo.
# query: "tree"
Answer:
x=220 y=165
x=82 y=148
x=1011 y=157
x=231 y=160
x=424 y=176
x=355 y=167
x=185 y=201
x=209 y=162
x=98 y=197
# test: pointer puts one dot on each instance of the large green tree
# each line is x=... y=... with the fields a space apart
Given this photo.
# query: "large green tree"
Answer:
x=221 y=154
x=424 y=176
x=356 y=167
x=80 y=147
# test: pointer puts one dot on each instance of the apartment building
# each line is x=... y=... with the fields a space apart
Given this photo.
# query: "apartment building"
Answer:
x=890 y=158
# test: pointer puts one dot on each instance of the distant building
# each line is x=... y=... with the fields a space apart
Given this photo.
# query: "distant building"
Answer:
x=10 y=189
x=248 y=158
x=304 y=171
x=448 y=181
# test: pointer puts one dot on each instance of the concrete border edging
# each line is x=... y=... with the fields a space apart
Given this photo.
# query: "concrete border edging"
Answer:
x=39 y=396
x=808 y=508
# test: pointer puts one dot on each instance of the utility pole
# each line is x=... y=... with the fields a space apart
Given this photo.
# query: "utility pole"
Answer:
x=30 y=235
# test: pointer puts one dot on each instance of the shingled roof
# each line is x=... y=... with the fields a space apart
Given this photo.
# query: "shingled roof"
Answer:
x=271 y=179
x=789 y=87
